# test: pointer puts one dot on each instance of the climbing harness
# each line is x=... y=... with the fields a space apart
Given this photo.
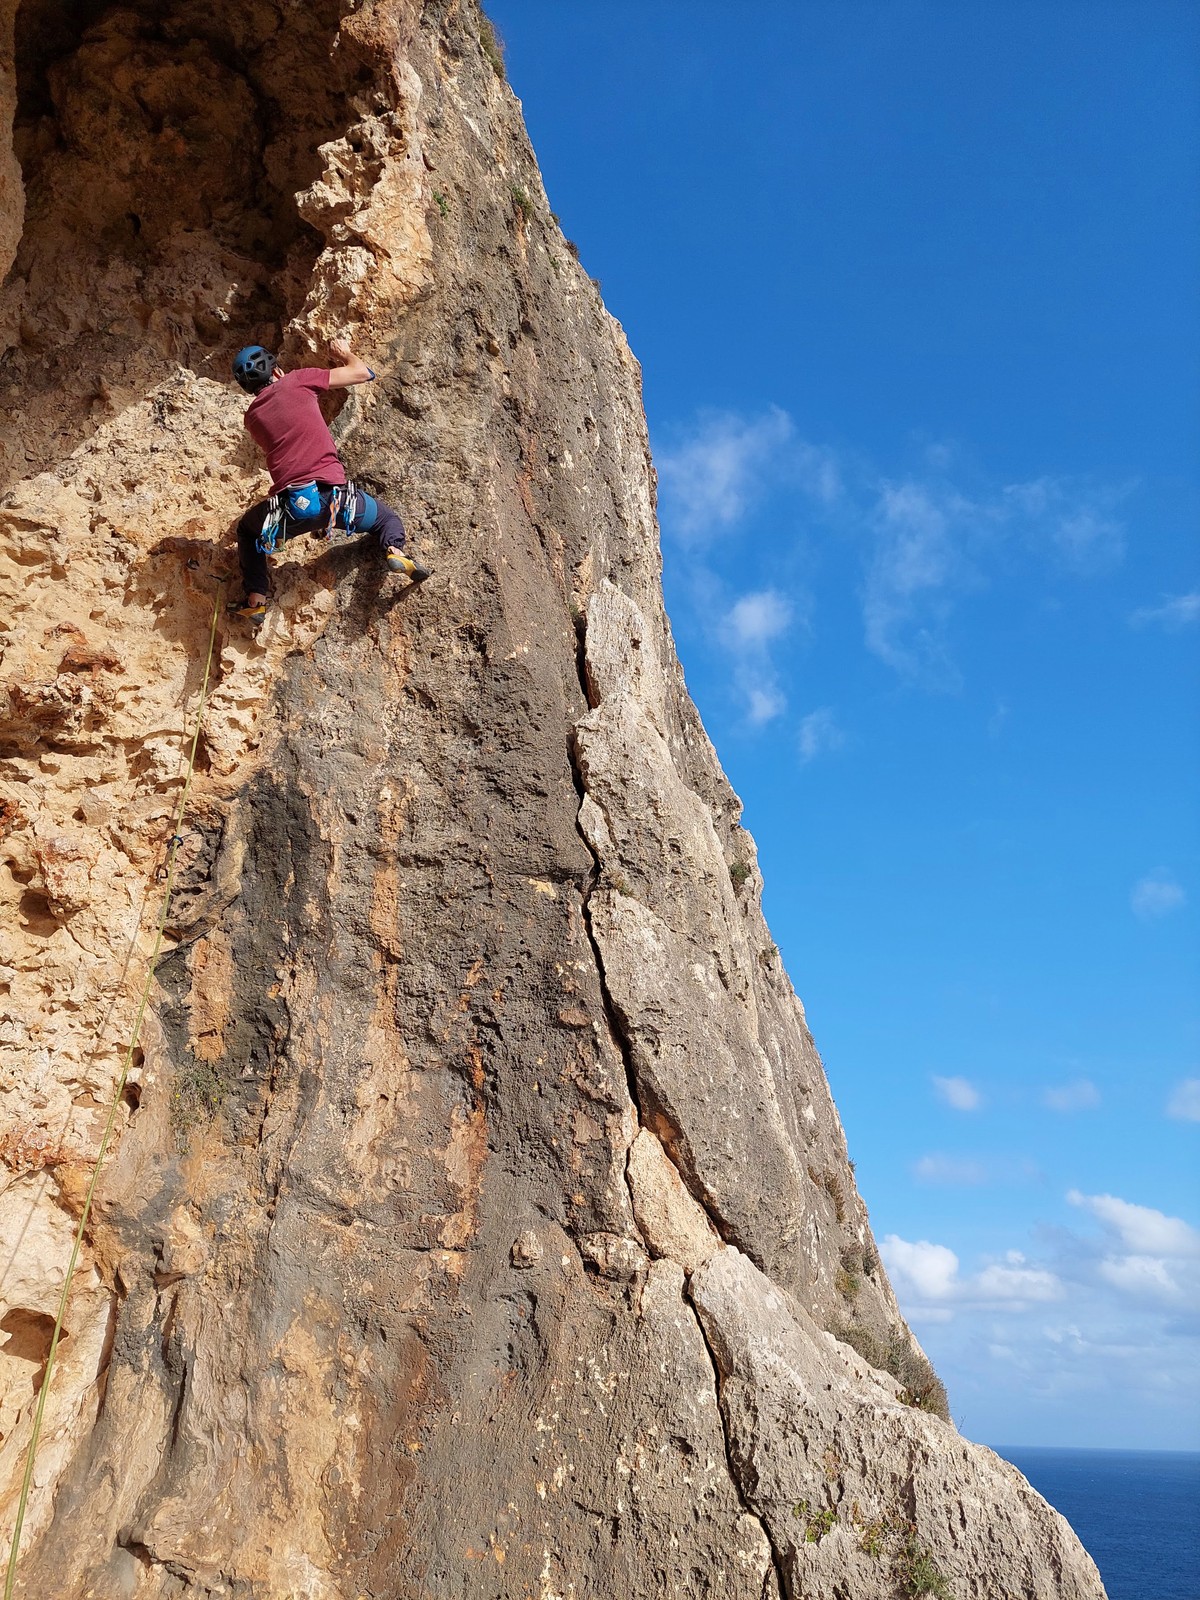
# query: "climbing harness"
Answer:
x=301 y=502
x=48 y=1372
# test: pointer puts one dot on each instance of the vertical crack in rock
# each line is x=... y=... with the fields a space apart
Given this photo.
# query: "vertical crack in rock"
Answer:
x=617 y=1027
x=617 y=1024
x=619 y=1034
x=734 y=1471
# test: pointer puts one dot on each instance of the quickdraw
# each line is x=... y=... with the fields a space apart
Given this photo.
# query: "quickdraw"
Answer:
x=343 y=499
x=268 y=534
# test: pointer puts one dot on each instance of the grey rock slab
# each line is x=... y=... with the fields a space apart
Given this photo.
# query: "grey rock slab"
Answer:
x=670 y=1221
x=859 y=1492
x=725 y=1069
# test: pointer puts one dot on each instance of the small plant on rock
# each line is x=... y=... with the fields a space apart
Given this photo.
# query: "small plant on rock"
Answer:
x=873 y=1537
x=920 y=1385
x=918 y=1575
x=832 y=1185
x=817 y=1523
x=739 y=874
x=491 y=45
x=522 y=202
x=846 y=1283
x=196 y=1097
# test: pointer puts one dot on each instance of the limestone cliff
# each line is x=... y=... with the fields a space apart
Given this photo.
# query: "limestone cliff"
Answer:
x=480 y=1223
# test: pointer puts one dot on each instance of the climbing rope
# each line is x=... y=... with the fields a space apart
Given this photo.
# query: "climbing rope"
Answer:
x=176 y=840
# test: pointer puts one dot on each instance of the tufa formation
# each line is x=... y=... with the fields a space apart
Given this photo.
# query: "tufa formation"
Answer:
x=479 y=1223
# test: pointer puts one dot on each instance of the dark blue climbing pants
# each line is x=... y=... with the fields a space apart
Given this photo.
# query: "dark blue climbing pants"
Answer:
x=368 y=516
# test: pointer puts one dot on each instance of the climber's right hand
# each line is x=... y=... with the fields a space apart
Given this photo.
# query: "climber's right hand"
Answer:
x=353 y=370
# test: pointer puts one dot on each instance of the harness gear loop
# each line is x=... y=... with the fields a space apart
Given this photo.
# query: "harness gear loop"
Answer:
x=10 y=1577
x=343 y=498
x=268 y=534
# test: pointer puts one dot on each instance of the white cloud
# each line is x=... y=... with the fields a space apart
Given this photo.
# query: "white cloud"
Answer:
x=756 y=619
x=959 y=1093
x=1081 y=1095
x=926 y=540
x=922 y=1272
x=933 y=543
x=1014 y=1279
x=1073 y=518
x=818 y=472
x=1175 y=611
x=1118 y=1368
x=1141 y=1229
x=1088 y=539
x=1184 y=1104
x=917 y=562
x=1140 y=1276
x=950 y=1170
x=928 y=1271
x=1156 y=896
x=746 y=631
x=998 y=719
x=819 y=733
x=711 y=479
x=764 y=699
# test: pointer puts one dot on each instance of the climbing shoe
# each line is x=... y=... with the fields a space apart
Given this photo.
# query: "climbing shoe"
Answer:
x=398 y=562
x=252 y=612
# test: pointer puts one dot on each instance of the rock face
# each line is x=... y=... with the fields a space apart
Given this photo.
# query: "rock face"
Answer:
x=480 y=1223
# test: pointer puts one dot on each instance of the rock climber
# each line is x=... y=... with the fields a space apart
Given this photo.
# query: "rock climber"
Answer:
x=309 y=489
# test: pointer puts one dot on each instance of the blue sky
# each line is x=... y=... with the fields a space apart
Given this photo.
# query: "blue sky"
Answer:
x=913 y=288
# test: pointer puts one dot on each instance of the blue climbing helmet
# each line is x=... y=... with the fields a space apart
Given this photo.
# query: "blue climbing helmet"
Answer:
x=253 y=366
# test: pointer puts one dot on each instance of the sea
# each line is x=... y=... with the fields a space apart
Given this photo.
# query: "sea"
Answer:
x=1137 y=1513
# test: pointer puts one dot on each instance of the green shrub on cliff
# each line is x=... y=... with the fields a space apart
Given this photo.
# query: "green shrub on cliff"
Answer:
x=920 y=1385
x=491 y=45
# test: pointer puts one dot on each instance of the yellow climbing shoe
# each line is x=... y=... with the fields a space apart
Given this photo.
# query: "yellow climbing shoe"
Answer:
x=398 y=562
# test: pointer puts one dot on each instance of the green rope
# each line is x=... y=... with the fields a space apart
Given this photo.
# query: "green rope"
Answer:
x=26 y=1482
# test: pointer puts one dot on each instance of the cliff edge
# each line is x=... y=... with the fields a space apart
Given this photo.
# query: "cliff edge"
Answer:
x=480 y=1222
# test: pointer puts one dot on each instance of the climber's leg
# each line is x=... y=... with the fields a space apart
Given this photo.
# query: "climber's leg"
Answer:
x=256 y=585
x=379 y=518
x=253 y=558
